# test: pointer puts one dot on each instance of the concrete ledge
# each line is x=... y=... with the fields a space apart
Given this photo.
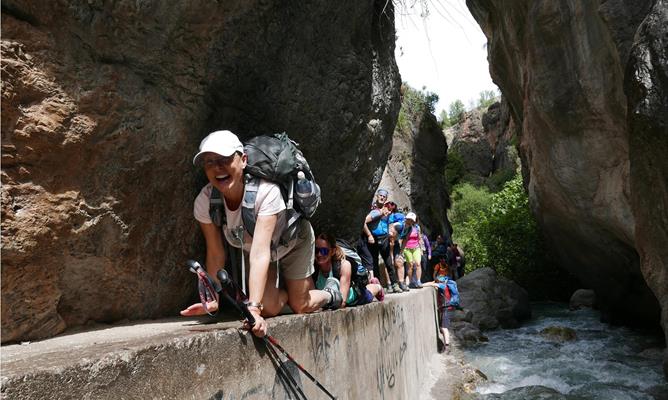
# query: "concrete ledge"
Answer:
x=373 y=352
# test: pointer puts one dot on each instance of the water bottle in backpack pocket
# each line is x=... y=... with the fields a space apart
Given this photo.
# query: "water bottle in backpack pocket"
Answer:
x=307 y=195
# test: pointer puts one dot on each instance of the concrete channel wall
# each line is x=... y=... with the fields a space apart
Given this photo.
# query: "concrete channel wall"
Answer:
x=370 y=352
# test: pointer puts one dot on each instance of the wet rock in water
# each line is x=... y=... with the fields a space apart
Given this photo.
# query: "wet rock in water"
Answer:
x=466 y=333
x=530 y=392
x=461 y=315
x=582 y=298
x=558 y=334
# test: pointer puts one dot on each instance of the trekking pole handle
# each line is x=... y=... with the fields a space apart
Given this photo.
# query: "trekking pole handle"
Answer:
x=227 y=282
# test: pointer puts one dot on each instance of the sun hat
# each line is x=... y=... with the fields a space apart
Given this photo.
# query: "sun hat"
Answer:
x=411 y=216
x=224 y=143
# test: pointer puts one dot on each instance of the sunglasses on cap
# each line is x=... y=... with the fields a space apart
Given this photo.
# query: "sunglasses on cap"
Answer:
x=323 y=251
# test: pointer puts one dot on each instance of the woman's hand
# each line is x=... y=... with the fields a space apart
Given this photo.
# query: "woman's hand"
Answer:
x=198 y=309
x=370 y=239
x=261 y=326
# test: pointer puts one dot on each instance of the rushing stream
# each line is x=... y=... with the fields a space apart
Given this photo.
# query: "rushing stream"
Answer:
x=603 y=362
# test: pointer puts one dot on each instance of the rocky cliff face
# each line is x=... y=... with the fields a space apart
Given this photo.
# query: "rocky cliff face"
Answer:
x=104 y=105
x=482 y=141
x=415 y=171
x=593 y=142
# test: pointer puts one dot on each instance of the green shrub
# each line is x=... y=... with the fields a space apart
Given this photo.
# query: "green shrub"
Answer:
x=498 y=231
x=499 y=178
x=467 y=202
x=454 y=170
x=413 y=103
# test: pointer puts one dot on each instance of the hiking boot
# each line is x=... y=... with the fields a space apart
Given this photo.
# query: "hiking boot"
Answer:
x=388 y=289
x=332 y=287
x=403 y=287
x=412 y=286
x=396 y=288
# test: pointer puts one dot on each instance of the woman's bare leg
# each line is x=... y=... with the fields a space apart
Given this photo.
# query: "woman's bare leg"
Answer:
x=303 y=297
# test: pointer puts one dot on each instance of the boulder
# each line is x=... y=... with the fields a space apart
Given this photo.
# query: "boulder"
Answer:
x=582 y=298
x=467 y=334
x=104 y=105
x=494 y=301
x=558 y=334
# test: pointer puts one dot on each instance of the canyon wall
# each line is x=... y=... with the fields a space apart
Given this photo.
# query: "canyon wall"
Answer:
x=104 y=105
x=587 y=84
x=415 y=171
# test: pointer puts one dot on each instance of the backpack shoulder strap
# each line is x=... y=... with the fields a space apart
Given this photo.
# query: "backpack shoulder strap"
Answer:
x=216 y=208
x=248 y=217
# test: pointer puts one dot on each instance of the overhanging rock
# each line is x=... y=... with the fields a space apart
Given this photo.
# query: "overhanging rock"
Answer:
x=374 y=351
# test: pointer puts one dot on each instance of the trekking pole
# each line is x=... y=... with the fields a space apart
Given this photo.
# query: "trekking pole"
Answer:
x=269 y=340
x=238 y=301
x=206 y=286
x=273 y=341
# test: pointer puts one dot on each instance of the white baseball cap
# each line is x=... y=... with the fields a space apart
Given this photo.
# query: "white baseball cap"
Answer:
x=411 y=216
x=224 y=143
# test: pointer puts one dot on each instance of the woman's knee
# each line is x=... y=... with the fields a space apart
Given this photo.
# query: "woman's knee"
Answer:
x=274 y=302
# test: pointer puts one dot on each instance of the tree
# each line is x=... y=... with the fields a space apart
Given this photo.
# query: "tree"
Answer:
x=487 y=98
x=443 y=119
x=456 y=112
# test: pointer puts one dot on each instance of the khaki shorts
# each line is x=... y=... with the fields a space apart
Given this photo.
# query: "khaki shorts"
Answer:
x=298 y=263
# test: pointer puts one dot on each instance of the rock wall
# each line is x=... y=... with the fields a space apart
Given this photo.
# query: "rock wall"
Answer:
x=593 y=144
x=482 y=141
x=646 y=88
x=104 y=105
x=415 y=171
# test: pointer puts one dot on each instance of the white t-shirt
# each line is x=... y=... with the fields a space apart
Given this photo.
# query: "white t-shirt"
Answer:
x=269 y=201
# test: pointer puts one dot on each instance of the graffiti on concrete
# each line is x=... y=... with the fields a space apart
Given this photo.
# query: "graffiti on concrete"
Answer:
x=393 y=338
x=247 y=394
x=321 y=342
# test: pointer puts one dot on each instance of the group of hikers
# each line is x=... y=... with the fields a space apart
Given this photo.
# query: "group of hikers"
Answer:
x=287 y=263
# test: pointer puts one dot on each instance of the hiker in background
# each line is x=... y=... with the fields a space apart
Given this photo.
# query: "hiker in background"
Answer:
x=459 y=259
x=439 y=250
x=223 y=159
x=396 y=223
x=426 y=259
x=442 y=268
x=444 y=309
x=381 y=198
x=411 y=245
x=331 y=262
x=375 y=231
x=425 y=246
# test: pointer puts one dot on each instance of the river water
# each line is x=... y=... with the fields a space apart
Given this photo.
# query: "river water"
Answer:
x=603 y=362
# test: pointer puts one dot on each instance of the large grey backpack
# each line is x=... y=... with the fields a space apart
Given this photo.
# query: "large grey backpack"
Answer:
x=278 y=159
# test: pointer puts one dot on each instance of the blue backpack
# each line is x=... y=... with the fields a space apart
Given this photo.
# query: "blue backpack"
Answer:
x=451 y=288
x=454 y=294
